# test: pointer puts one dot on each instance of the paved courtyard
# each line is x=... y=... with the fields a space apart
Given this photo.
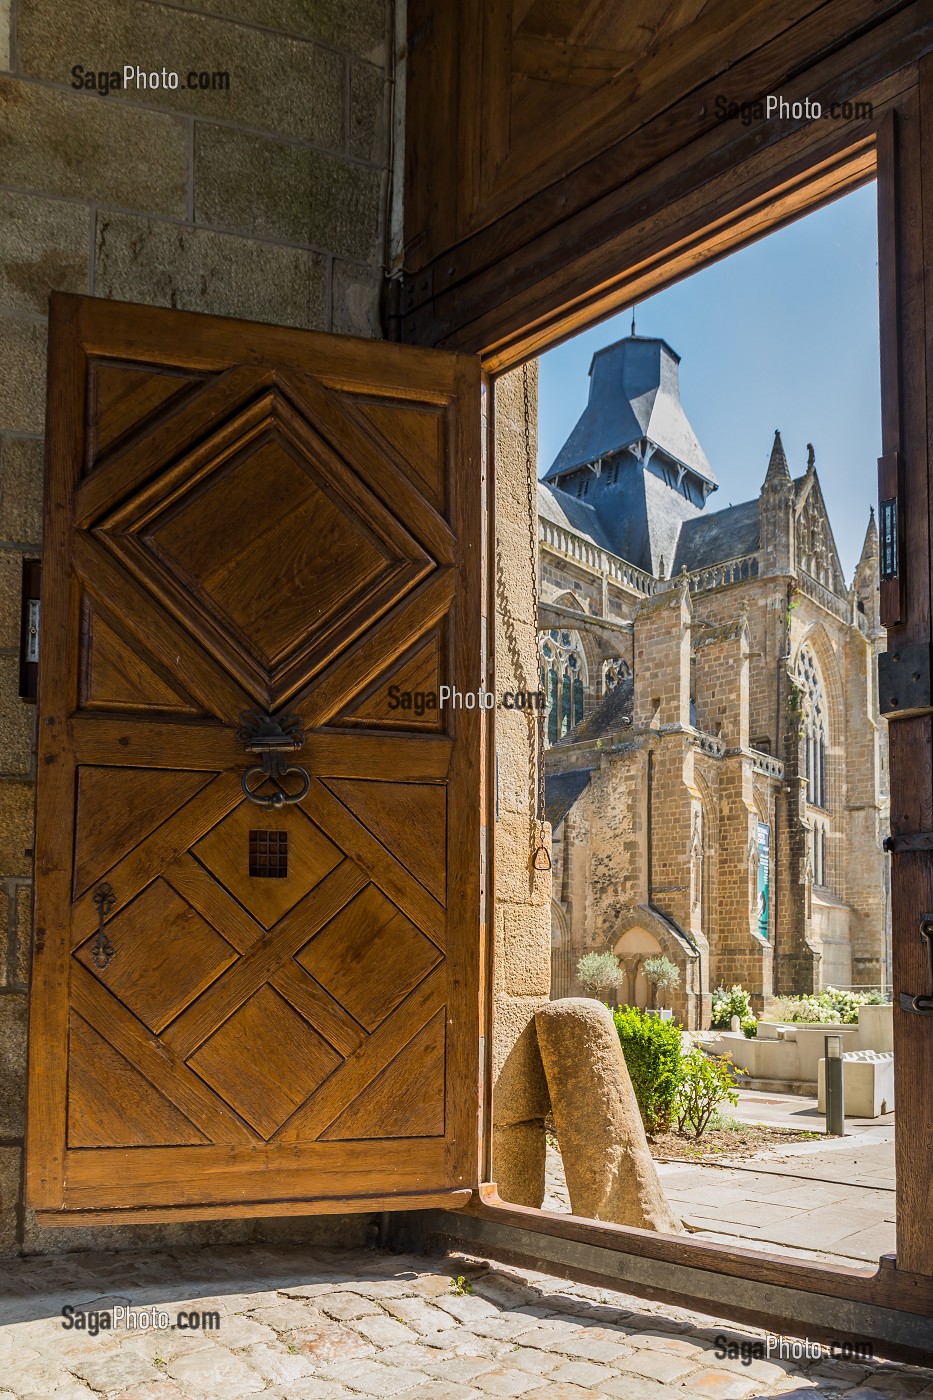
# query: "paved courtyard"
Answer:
x=830 y=1200
x=305 y=1324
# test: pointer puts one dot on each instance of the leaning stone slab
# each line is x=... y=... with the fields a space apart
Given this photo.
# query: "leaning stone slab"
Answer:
x=609 y=1170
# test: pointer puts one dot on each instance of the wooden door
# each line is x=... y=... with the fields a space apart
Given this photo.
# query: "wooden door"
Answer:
x=242 y=1008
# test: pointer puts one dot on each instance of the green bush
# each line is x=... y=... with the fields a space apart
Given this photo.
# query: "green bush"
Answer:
x=653 y=1055
x=749 y=1027
x=706 y=1082
x=726 y=1004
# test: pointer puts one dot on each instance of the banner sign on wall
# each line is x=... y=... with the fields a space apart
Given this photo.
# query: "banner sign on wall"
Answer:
x=764 y=867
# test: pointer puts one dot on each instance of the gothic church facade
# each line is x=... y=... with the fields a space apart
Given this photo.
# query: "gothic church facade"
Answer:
x=716 y=766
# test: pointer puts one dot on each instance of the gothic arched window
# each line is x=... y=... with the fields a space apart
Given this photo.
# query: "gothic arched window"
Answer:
x=815 y=727
x=817 y=846
x=562 y=680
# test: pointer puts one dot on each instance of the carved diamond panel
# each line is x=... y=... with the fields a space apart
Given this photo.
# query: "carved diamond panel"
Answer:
x=369 y=957
x=269 y=551
x=265 y=1060
x=225 y=852
x=263 y=539
x=165 y=955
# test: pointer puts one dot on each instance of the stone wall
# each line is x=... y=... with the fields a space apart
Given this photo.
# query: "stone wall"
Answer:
x=522 y=964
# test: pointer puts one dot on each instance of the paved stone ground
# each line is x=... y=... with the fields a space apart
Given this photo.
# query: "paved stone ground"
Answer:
x=827 y=1200
x=302 y=1324
x=801 y=1111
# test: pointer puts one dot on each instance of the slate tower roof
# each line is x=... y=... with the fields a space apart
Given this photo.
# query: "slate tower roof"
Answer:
x=633 y=479
x=634 y=397
x=633 y=464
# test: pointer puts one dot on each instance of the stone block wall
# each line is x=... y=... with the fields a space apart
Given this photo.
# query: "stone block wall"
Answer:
x=662 y=660
x=559 y=576
x=740 y=953
x=867 y=813
x=522 y=961
x=763 y=603
x=722 y=683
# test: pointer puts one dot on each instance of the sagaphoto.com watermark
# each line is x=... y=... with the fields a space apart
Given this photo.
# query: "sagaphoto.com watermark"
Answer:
x=118 y=1315
x=134 y=77
x=777 y=108
x=773 y=1347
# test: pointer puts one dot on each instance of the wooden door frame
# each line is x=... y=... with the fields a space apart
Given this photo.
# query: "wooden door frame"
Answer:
x=647 y=248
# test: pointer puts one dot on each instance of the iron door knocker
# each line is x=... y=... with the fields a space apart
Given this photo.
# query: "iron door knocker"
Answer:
x=273 y=739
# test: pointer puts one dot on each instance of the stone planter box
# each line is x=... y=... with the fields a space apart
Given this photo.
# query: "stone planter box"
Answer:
x=792 y=1051
x=867 y=1083
x=811 y=1046
x=761 y=1059
x=876 y=1027
x=793 y=1056
x=774 y=1030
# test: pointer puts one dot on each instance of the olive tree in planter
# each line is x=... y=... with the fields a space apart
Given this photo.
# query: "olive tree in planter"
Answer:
x=598 y=972
x=664 y=976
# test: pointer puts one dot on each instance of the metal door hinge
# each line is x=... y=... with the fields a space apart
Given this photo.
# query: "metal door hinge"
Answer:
x=417 y=288
x=29 y=631
x=890 y=539
x=922 y=1005
x=908 y=841
x=904 y=681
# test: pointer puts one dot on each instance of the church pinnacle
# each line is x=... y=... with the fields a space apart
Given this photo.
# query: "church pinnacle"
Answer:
x=870 y=545
x=777 y=466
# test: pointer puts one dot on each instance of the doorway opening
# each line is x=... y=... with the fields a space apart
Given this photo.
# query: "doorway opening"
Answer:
x=714 y=761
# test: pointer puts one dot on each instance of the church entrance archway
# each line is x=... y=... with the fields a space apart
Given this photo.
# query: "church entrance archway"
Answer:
x=632 y=949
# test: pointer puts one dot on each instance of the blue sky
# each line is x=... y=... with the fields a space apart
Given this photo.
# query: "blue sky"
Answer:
x=783 y=334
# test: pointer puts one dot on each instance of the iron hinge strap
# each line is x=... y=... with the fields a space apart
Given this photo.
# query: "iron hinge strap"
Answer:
x=921 y=1005
x=905 y=681
x=909 y=841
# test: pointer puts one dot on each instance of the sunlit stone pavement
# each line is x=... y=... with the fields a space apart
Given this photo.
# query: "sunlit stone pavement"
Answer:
x=306 y=1324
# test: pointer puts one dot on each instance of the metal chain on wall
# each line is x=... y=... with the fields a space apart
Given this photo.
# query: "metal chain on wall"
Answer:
x=539 y=855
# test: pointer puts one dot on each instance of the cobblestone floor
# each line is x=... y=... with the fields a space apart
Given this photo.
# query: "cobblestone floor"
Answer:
x=306 y=1324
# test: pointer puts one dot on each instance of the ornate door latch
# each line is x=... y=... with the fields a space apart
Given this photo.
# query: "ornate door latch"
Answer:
x=103 y=949
x=273 y=738
x=922 y=1005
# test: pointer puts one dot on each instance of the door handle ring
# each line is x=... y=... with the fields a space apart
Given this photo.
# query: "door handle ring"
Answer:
x=279 y=798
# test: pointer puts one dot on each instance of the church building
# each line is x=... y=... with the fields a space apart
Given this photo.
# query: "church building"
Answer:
x=716 y=768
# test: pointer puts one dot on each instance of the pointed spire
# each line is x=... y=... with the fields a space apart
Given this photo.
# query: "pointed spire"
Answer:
x=870 y=545
x=777 y=466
